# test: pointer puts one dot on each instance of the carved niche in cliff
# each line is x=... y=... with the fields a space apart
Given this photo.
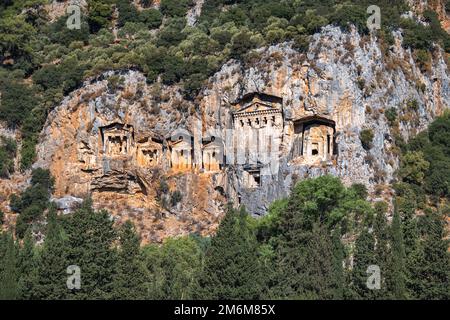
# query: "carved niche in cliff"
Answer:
x=252 y=176
x=257 y=120
x=212 y=153
x=149 y=152
x=315 y=139
x=117 y=139
x=181 y=150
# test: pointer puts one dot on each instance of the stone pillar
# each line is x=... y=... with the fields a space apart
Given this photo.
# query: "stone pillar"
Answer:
x=197 y=145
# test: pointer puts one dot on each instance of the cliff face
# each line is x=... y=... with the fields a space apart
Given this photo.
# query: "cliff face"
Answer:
x=344 y=78
x=145 y=153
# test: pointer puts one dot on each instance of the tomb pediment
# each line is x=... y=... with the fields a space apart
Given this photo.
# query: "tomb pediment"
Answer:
x=181 y=144
x=257 y=103
x=256 y=107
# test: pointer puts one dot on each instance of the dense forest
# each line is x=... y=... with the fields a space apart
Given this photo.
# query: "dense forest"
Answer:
x=316 y=244
x=42 y=60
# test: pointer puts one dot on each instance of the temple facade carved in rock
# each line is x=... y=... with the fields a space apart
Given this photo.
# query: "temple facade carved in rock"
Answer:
x=314 y=140
x=253 y=144
x=117 y=139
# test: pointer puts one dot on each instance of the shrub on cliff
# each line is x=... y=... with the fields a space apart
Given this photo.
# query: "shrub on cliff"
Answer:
x=152 y=18
x=32 y=202
x=7 y=155
x=432 y=144
x=366 y=136
x=59 y=33
x=391 y=115
x=413 y=167
x=350 y=14
x=17 y=100
x=175 y=197
x=175 y=8
x=99 y=14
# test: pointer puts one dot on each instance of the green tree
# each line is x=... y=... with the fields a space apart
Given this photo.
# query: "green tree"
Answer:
x=59 y=32
x=90 y=238
x=382 y=248
x=305 y=247
x=27 y=267
x=152 y=18
x=8 y=149
x=364 y=256
x=52 y=263
x=242 y=42
x=33 y=200
x=181 y=260
x=413 y=167
x=8 y=270
x=130 y=280
x=175 y=8
x=439 y=132
x=16 y=103
x=321 y=268
x=15 y=36
x=153 y=257
x=397 y=280
x=432 y=270
x=366 y=136
x=338 y=276
x=99 y=14
x=127 y=12
x=231 y=268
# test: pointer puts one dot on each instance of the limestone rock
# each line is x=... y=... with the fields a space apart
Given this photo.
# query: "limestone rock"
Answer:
x=67 y=204
x=145 y=153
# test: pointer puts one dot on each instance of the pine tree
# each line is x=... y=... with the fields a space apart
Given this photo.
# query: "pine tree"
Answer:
x=51 y=282
x=319 y=272
x=432 y=269
x=304 y=247
x=339 y=282
x=232 y=269
x=90 y=239
x=405 y=207
x=27 y=267
x=398 y=269
x=382 y=250
x=364 y=257
x=8 y=271
x=130 y=279
x=291 y=254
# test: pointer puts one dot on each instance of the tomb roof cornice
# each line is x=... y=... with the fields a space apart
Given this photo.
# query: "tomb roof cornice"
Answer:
x=241 y=114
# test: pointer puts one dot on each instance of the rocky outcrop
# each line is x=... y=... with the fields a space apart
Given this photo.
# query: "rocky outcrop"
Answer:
x=67 y=204
x=194 y=12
